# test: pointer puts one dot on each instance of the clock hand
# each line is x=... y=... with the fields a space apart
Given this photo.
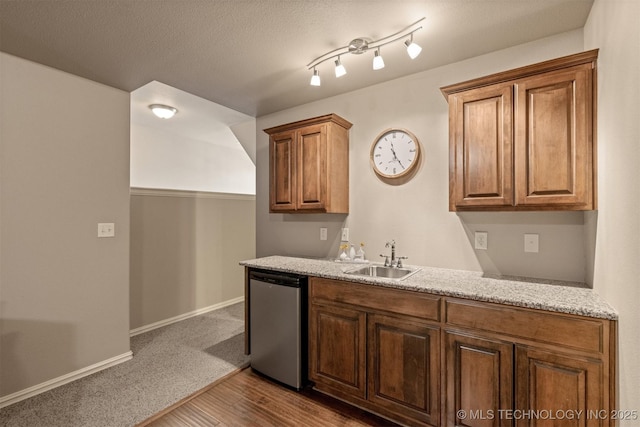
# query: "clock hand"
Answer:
x=395 y=157
x=394 y=152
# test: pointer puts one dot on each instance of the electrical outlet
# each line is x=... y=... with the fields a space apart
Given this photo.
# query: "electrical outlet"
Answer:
x=481 y=238
x=531 y=243
x=345 y=235
x=323 y=233
x=106 y=229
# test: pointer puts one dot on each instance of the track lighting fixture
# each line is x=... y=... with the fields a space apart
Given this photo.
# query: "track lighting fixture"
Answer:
x=361 y=45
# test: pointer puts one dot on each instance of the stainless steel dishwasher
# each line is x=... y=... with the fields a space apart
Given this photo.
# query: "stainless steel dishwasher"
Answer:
x=278 y=326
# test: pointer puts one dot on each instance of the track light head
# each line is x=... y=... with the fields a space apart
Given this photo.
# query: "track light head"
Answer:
x=413 y=49
x=315 y=79
x=340 y=70
x=378 y=62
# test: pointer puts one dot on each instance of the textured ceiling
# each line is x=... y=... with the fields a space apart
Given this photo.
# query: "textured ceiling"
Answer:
x=251 y=55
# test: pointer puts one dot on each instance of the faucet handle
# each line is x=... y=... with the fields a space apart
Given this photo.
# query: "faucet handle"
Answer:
x=400 y=258
x=386 y=260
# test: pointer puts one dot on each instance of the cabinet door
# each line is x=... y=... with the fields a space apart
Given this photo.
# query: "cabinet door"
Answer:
x=554 y=158
x=312 y=167
x=549 y=384
x=337 y=349
x=282 y=186
x=403 y=367
x=479 y=381
x=481 y=165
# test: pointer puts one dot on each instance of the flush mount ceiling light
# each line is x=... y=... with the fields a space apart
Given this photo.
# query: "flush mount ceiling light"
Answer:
x=362 y=45
x=163 y=111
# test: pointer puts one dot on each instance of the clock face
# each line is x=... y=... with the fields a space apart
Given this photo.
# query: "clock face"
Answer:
x=394 y=153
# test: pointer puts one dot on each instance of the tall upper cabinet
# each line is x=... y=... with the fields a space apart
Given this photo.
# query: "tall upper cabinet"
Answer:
x=309 y=166
x=525 y=139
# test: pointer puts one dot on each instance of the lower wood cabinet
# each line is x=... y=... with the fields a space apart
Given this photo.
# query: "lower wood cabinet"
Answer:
x=403 y=366
x=382 y=361
x=337 y=352
x=426 y=360
x=478 y=380
x=563 y=386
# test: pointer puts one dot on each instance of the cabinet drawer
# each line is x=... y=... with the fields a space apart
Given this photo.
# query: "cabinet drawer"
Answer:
x=408 y=303
x=551 y=328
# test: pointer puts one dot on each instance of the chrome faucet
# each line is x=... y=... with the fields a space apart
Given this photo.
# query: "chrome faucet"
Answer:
x=395 y=261
x=393 y=251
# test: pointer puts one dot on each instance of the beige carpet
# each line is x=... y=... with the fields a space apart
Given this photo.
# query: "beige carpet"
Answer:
x=168 y=364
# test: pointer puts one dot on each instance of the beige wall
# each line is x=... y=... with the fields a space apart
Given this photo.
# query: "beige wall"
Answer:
x=613 y=27
x=185 y=249
x=416 y=214
x=64 y=167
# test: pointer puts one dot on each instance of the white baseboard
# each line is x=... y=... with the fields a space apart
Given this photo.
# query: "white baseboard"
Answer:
x=165 y=322
x=64 y=379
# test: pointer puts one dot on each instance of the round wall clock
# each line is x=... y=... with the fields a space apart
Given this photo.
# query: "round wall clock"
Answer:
x=395 y=153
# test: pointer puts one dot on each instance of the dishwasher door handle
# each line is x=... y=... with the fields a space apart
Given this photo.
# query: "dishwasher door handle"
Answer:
x=290 y=280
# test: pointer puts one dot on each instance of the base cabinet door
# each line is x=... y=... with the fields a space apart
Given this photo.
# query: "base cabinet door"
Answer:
x=337 y=348
x=479 y=381
x=559 y=391
x=403 y=367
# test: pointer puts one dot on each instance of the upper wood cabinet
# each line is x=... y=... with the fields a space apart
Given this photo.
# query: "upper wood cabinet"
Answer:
x=524 y=139
x=309 y=166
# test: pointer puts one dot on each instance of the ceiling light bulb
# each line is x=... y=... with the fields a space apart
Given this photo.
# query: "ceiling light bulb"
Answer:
x=412 y=48
x=315 y=79
x=378 y=62
x=340 y=70
x=163 y=111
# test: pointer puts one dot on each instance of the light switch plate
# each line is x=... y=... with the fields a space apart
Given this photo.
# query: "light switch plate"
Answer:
x=481 y=238
x=345 y=235
x=323 y=233
x=106 y=229
x=531 y=243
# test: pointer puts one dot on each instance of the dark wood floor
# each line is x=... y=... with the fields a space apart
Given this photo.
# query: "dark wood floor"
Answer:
x=248 y=399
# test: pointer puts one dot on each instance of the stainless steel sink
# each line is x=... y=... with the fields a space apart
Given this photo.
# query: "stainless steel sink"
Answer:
x=382 y=271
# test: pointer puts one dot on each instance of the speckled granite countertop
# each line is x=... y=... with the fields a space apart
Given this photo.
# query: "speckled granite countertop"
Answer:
x=457 y=283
